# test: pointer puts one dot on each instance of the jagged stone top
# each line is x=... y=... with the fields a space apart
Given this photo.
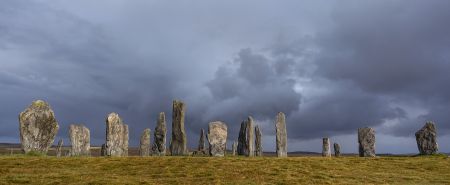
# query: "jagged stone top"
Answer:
x=39 y=106
x=429 y=125
x=114 y=118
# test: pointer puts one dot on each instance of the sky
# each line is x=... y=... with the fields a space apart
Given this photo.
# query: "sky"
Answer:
x=331 y=66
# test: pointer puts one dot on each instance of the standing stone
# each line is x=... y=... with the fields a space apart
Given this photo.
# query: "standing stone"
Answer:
x=427 y=139
x=234 y=148
x=281 y=135
x=144 y=147
x=103 y=150
x=337 y=150
x=258 y=145
x=159 y=145
x=178 y=141
x=366 y=140
x=326 y=147
x=246 y=138
x=217 y=138
x=80 y=139
x=116 y=136
x=201 y=142
x=38 y=127
x=59 y=148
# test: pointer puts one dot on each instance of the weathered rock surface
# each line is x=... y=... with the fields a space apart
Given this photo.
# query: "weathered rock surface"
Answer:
x=281 y=135
x=337 y=150
x=80 y=138
x=326 y=147
x=103 y=150
x=427 y=139
x=217 y=138
x=38 y=127
x=366 y=140
x=258 y=140
x=234 y=148
x=159 y=145
x=246 y=138
x=116 y=136
x=59 y=148
x=201 y=142
x=144 y=147
x=178 y=141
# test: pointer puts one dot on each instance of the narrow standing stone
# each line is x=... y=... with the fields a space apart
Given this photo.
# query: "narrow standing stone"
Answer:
x=366 y=140
x=116 y=136
x=246 y=138
x=258 y=145
x=234 y=148
x=159 y=146
x=59 y=148
x=144 y=147
x=178 y=141
x=427 y=139
x=201 y=142
x=326 y=147
x=217 y=138
x=103 y=150
x=38 y=127
x=337 y=150
x=281 y=135
x=80 y=139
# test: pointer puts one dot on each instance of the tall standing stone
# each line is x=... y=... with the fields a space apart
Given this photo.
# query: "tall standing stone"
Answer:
x=258 y=140
x=326 y=147
x=337 y=150
x=201 y=142
x=281 y=135
x=217 y=138
x=103 y=150
x=246 y=138
x=38 y=127
x=144 y=144
x=159 y=145
x=80 y=138
x=116 y=136
x=427 y=139
x=366 y=140
x=59 y=148
x=178 y=141
x=234 y=148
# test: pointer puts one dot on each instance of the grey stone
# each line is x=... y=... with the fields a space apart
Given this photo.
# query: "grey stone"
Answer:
x=258 y=140
x=59 y=148
x=38 y=127
x=178 y=141
x=234 y=148
x=246 y=138
x=116 y=136
x=337 y=150
x=103 y=150
x=217 y=138
x=159 y=145
x=144 y=147
x=201 y=142
x=366 y=140
x=281 y=135
x=426 y=139
x=80 y=138
x=326 y=147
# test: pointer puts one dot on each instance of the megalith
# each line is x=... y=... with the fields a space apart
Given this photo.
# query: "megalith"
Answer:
x=217 y=138
x=281 y=135
x=337 y=150
x=178 y=141
x=80 y=139
x=326 y=147
x=116 y=136
x=366 y=140
x=258 y=140
x=103 y=150
x=246 y=139
x=59 y=148
x=38 y=127
x=159 y=145
x=426 y=139
x=201 y=142
x=234 y=148
x=144 y=144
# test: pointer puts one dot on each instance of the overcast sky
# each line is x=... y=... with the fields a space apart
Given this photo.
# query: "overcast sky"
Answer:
x=330 y=66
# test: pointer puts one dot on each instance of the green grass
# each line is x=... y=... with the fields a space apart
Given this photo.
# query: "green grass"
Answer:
x=228 y=170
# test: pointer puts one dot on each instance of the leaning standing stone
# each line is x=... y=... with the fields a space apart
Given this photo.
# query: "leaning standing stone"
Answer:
x=366 y=140
x=234 y=148
x=326 y=147
x=427 y=139
x=258 y=145
x=281 y=135
x=38 y=127
x=59 y=148
x=201 y=142
x=116 y=136
x=144 y=147
x=178 y=140
x=159 y=145
x=80 y=139
x=246 y=138
x=337 y=150
x=217 y=138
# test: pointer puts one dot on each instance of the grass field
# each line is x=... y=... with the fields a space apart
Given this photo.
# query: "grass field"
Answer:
x=228 y=170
